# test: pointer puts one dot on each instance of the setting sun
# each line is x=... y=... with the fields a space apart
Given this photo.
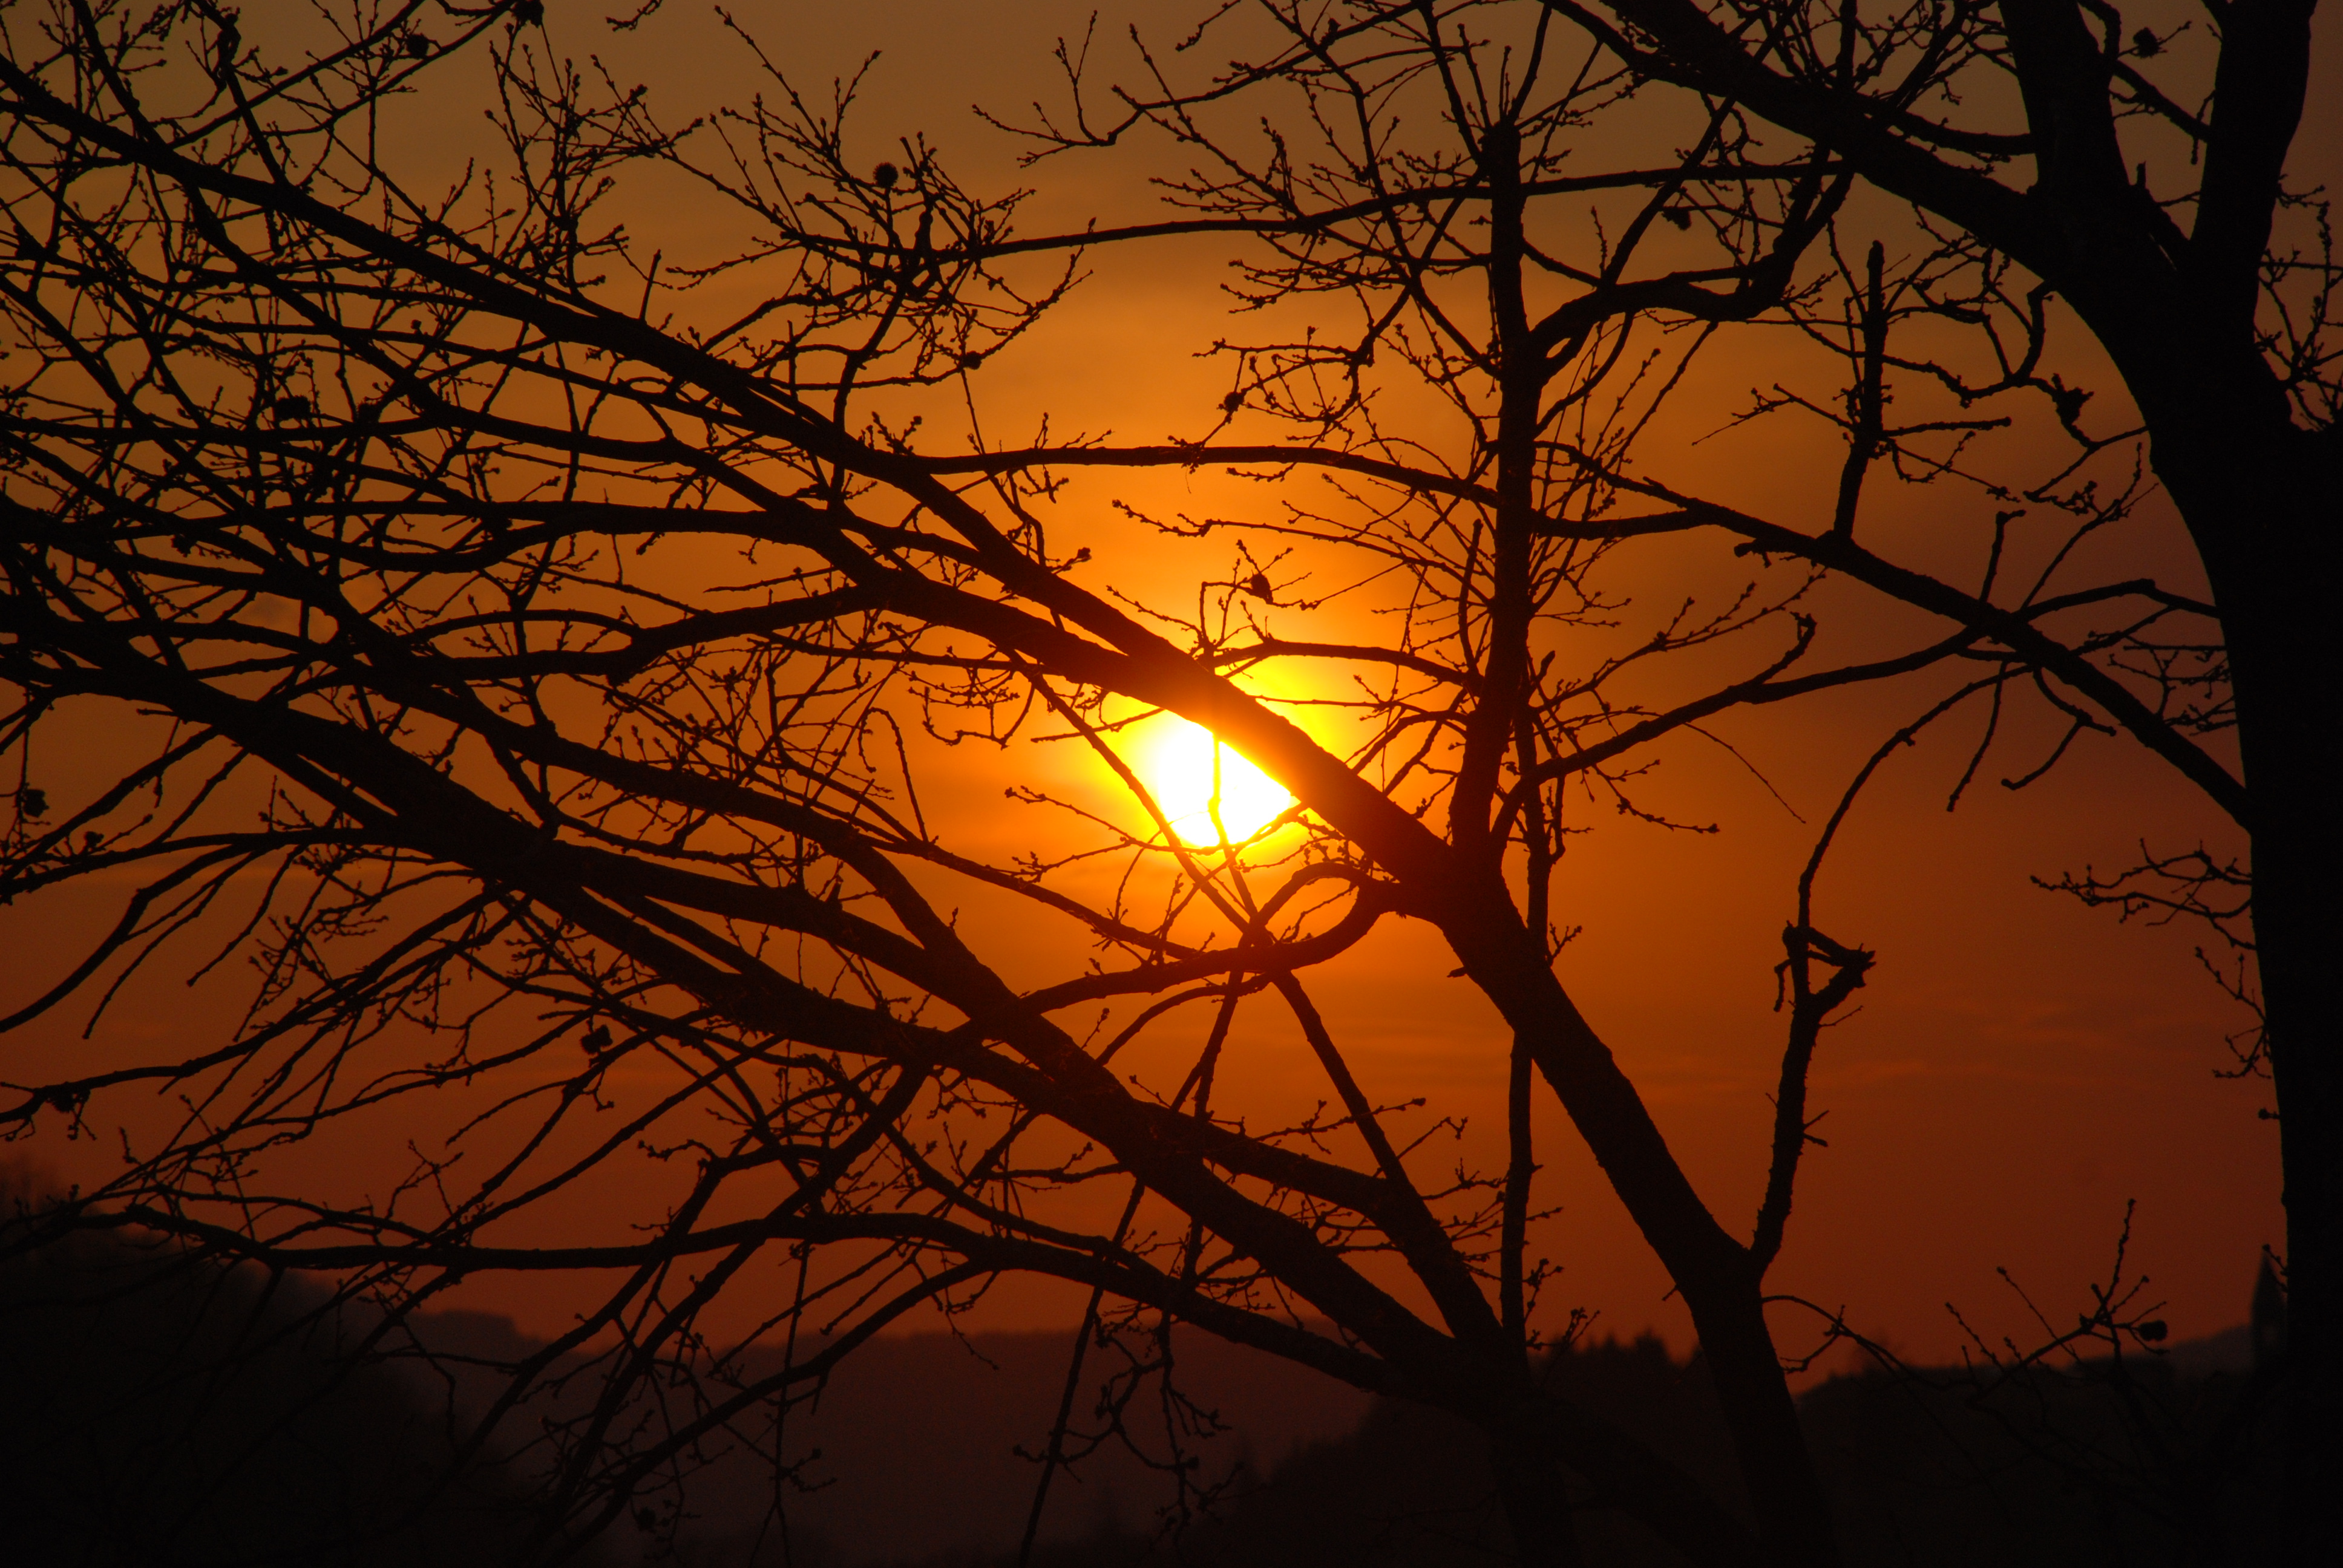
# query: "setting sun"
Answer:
x=1193 y=777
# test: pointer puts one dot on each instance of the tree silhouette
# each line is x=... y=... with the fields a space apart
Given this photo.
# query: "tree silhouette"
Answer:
x=2177 y=240
x=559 y=670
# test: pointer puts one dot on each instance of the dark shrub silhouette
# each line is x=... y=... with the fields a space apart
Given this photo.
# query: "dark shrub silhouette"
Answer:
x=161 y=1409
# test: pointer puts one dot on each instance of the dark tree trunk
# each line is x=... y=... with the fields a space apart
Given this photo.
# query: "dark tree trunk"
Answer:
x=1719 y=1278
x=1794 y=1516
x=2298 y=854
x=2266 y=509
x=2262 y=497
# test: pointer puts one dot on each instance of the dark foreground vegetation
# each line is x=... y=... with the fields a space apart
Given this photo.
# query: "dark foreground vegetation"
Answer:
x=157 y=1410
x=2146 y=1462
x=160 y=1409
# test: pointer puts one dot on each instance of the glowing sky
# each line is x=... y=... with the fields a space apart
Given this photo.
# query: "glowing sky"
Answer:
x=2020 y=1067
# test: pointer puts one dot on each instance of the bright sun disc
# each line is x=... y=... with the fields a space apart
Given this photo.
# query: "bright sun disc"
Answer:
x=1193 y=777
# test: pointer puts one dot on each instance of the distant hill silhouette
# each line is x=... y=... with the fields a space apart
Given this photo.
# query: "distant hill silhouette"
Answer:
x=2167 y=1458
x=158 y=1412
x=915 y=1442
x=1411 y=1487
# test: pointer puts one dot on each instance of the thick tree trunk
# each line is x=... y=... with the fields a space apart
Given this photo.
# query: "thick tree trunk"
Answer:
x=1794 y=1516
x=1719 y=1279
x=2298 y=876
x=2263 y=499
x=1715 y=1271
x=2266 y=509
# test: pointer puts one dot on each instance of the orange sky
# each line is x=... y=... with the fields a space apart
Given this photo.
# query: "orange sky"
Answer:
x=2020 y=1067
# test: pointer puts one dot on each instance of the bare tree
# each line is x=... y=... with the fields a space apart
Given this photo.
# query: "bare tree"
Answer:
x=2132 y=164
x=560 y=693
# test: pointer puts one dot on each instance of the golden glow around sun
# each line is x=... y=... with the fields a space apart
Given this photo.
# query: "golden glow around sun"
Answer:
x=1195 y=780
